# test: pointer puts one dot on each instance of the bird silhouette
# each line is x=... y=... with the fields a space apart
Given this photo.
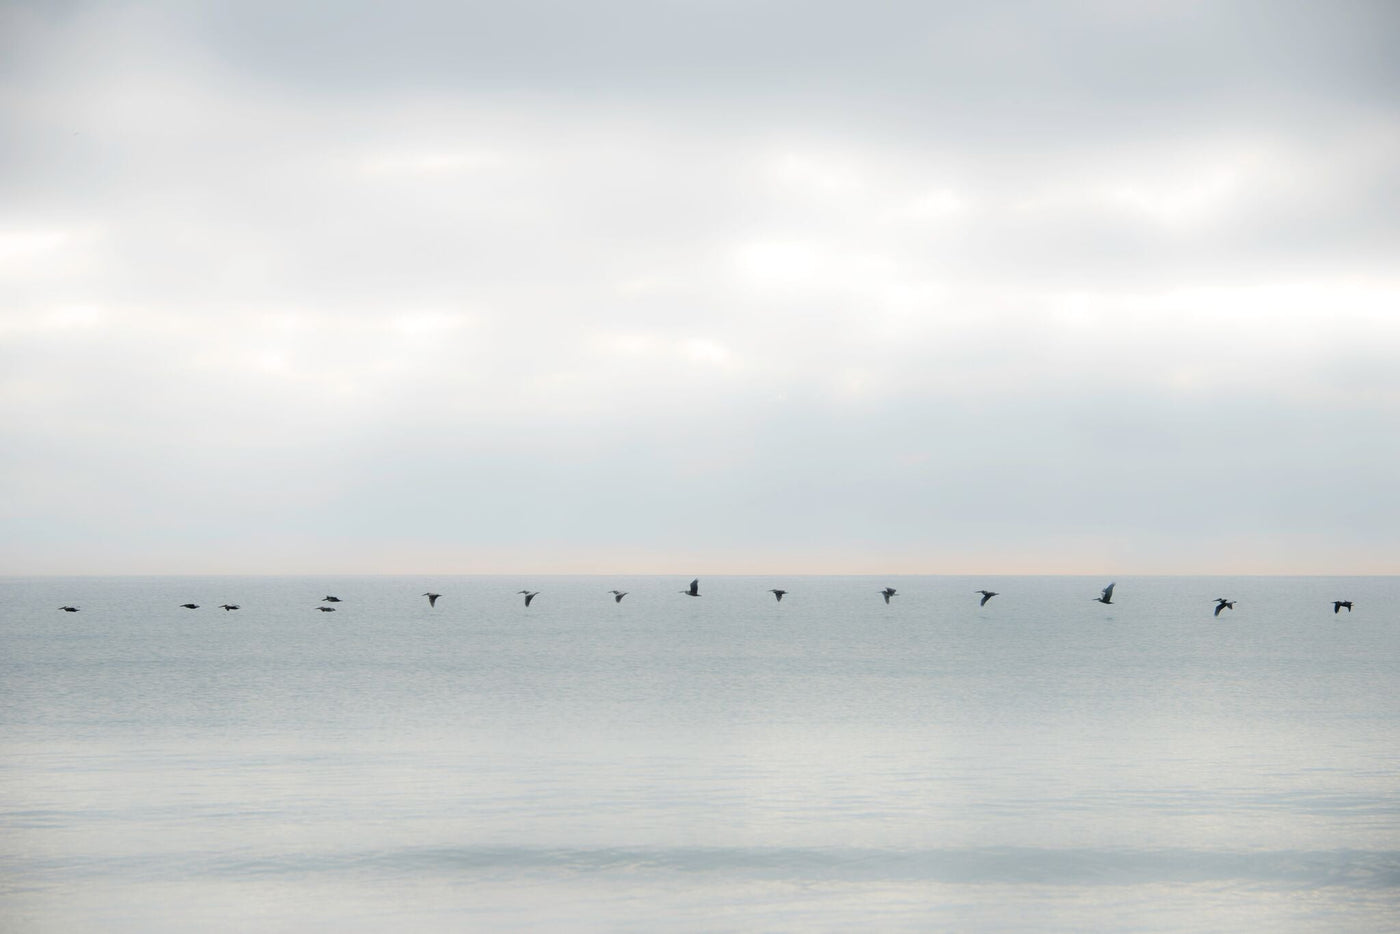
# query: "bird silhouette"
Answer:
x=326 y=609
x=1222 y=604
x=432 y=598
x=986 y=595
x=228 y=606
x=529 y=595
x=888 y=592
x=694 y=590
x=190 y=606
x=1107 y=597
x=69 y=609
x=329 y=599
x=778 y=594
x=618 y=595
x=1338 y=604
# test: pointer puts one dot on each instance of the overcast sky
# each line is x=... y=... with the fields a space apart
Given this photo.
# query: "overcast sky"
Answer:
x=695 y=286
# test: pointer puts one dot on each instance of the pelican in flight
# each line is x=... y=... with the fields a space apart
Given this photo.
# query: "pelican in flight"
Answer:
x=1338 y=604
x=228 y=606
x=618 y=595
x=778 y=594
x=329 y=599
x=1107 y=594
x=69 y=609
x=986 y=595
x=432 y=598
x=529 y=595
x=190 y=606
x=1222 y=604
x=694 y=590
x=888 y=592
x=326 y=609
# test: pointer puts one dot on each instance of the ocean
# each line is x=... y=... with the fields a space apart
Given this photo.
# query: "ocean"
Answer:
x=719 y=763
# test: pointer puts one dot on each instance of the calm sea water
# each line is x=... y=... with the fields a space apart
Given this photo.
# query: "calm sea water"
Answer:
x=1044 y=763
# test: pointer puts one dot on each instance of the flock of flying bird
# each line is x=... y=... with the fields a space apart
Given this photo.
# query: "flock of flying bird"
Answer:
x=1106 y=597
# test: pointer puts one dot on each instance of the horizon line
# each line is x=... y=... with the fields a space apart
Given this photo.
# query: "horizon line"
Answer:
x=690 y=574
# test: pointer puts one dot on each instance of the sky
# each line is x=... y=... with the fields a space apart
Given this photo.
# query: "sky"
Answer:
x=699 y=286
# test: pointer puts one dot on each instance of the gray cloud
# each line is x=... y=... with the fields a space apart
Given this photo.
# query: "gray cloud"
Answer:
x=636 y=285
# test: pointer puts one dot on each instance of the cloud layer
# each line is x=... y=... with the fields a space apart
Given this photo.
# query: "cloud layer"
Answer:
x=712 y=286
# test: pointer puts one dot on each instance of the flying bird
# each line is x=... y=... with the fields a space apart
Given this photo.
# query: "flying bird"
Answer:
x=432 y=598
x=778 y=594
x=1107 y=597
x=694 y=590
x=888 y=592
x=190 y=606
x=1338 y=604
x=986 y=595
x=228 y=606
x=618 y=595
x=329 y=599
x=529 y=595
x=1222 y=604
x=69 y=609
x=326 y=609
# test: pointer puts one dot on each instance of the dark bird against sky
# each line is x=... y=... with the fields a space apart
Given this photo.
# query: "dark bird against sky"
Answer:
x=432 y=598
x=888 y=592
x=778 y=594
x=1107 y=595
x=694 y=590
x=1222 y=604
x=986 y=595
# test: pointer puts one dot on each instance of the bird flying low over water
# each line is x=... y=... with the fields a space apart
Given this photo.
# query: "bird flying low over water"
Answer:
x=432 y=598
x=888 y=592
x=986 y=595
x=778 y=594
x=1107 y=594
x=329 y=599
x=190 y=606
x=694 y=590
x=1222 y=604
x=228 y=606
x=529 y=595
x=69 y=609
x=326 y=609
x=1338 y=604
x=618 y=595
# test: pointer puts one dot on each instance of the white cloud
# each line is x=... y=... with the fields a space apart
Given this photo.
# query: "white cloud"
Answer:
x=576 y=281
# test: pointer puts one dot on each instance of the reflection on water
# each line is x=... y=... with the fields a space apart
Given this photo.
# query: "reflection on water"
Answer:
x=721 y=763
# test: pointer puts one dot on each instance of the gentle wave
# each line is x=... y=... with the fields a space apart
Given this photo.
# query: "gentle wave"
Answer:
x=1367 y=869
